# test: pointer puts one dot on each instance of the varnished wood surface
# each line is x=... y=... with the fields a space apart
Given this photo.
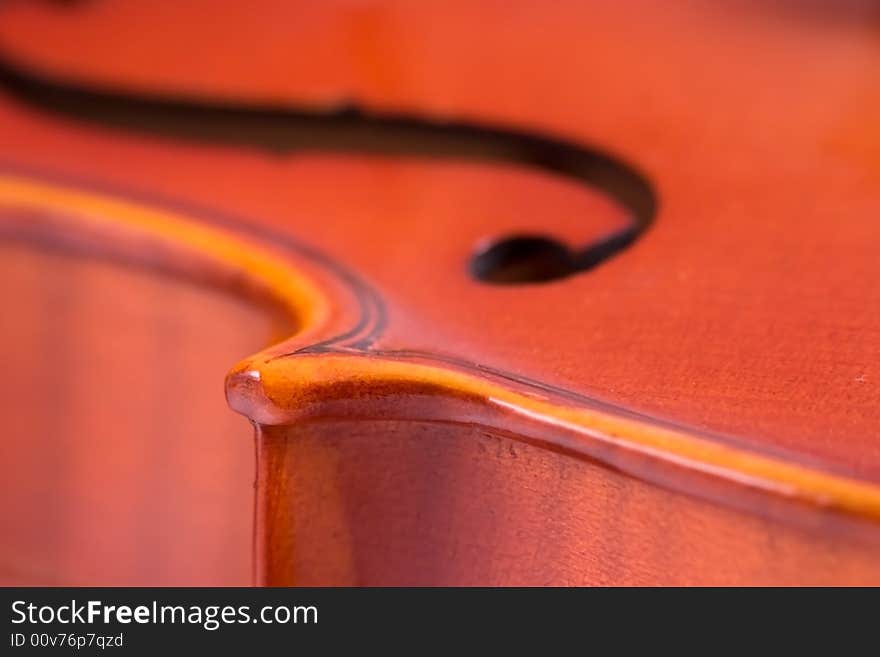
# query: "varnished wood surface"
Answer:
x=115 y=473
x=707 y=322
x=745 y=318
x=413 y=503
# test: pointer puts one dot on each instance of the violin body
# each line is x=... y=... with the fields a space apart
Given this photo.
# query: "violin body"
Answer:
x=580 y=293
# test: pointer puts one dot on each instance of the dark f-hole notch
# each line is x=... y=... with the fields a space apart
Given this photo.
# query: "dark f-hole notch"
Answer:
x=283 y=129
x=537 y=259
x=522 y=259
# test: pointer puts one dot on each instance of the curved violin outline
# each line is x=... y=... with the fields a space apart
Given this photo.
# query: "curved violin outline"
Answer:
x=272 y=387
x=277 y=387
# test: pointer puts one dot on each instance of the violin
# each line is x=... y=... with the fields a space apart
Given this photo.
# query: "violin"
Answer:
x=568 y=294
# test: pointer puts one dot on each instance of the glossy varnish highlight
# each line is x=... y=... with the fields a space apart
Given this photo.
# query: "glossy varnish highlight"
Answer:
x=701 y=408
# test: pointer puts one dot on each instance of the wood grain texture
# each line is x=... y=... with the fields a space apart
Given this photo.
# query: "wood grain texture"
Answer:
x=706 y=322
x=415 y=503
x=120 y=464
x=746 y=319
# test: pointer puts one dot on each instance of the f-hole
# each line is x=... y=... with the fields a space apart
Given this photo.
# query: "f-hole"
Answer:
x=514 y=259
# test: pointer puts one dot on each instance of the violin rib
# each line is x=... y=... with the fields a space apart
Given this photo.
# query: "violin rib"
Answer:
x=584 y=300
